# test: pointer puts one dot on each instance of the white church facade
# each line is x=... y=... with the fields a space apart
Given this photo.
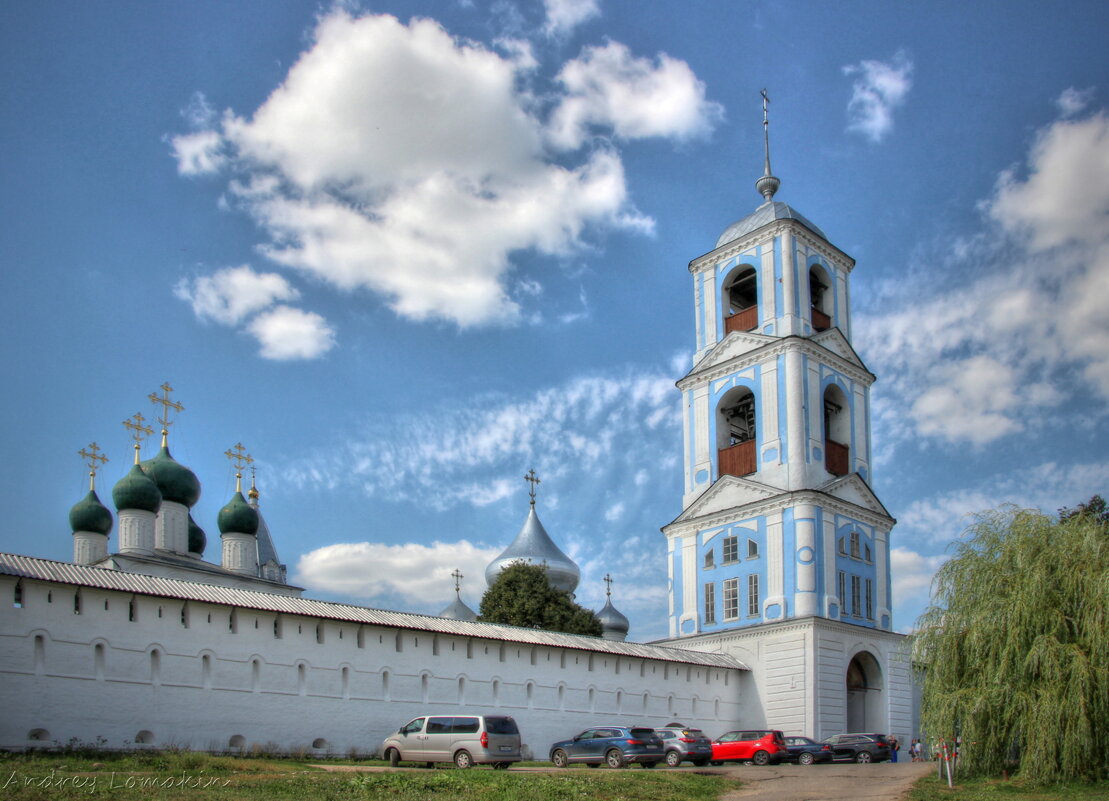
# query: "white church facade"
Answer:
x=778 y=565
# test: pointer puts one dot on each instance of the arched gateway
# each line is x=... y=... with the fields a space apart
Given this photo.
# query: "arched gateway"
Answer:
x=865 y=697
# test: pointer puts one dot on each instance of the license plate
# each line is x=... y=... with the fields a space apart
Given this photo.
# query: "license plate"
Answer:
x=506 y=747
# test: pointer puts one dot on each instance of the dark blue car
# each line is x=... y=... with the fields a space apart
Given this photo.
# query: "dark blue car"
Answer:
x=804 y=751
x=614 y=746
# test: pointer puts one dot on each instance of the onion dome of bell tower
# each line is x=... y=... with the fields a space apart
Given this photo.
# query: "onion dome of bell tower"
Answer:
x=458 y=610
x=534 y=545
x=176 y=482
x=136 y=490
x=89 y=514
x=614 y=626
x=238 y=516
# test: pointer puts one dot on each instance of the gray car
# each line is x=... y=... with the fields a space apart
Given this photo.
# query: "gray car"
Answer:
x=684 y=744
x=465 y=740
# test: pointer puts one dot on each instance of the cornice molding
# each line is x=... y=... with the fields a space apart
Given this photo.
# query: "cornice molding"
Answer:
x=700 y=375
x=804 y=624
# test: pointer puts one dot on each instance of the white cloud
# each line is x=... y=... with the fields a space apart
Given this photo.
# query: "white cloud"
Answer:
x=286 y=333
x=607 y=87
x=399 y=159
x=416 y=575
x=1074 y=101
x=881 y=86
x=980 y=358
x=565 y=15
x=230 y=295
x=913 y=574
x=614 y=512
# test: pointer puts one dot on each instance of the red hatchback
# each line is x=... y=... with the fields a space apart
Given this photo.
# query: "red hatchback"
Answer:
x=761 y=746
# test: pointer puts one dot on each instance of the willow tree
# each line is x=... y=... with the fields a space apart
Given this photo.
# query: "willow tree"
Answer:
x=1015 y=647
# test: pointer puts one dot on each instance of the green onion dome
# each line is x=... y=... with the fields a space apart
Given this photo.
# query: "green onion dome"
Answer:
x=197 y=538
x=176 y=482
x=90 y=515
x=238 y=517
x=136 y=491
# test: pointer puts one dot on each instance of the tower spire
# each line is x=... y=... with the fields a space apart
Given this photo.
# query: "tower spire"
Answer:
x=767 y=185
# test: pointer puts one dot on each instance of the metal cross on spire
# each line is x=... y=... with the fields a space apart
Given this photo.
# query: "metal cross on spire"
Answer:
x=457 y=576
x=767 y=185
x=95 y=461
x=167 y=405
x=532 y=479
x=608 y=585
x=240 y=459
x=253 y=494
x=139 y=431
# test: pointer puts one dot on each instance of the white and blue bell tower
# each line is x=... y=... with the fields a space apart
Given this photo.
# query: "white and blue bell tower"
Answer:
x=780 y=538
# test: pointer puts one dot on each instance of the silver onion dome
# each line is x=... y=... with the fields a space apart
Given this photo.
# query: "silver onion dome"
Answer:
x=534 y=545
x=458 y=611
x=614 y=626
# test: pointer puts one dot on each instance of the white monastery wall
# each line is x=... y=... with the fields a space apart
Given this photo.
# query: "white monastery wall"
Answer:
x=197 y=674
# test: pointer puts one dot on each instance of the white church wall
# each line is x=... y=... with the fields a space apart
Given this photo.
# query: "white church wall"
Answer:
x=129 y=664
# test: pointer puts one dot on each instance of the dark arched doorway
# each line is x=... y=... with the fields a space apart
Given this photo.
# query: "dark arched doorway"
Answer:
x=865 y=699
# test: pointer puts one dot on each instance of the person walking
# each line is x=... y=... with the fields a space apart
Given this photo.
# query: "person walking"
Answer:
x=895 y=746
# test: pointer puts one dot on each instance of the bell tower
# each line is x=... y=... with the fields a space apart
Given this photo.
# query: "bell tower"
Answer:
x=780 y=556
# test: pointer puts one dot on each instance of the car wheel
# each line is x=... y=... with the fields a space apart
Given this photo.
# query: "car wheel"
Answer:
x=559 y=758
x=715 y=763
x=700 y=763
x=614 y=759
x=463 y=760
x=394 y=757
x=805 y=758
x=673 y=759
x=862 y=756
x=761 y=758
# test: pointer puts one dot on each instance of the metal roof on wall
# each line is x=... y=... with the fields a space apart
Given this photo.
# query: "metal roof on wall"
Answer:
x=107 y=579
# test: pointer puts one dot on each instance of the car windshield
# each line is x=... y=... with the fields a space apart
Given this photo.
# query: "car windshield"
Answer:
x=501 y=725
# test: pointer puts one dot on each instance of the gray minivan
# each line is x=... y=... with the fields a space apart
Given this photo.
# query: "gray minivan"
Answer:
x=465 y=740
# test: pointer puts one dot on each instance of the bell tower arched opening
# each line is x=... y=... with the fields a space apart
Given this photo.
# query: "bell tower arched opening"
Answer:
x=837 y=432
x=735 y=433
x=865 y=697
x=740 y=300
x=820 y=298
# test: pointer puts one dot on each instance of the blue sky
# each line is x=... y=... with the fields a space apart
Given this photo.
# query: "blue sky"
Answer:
x=406 y=251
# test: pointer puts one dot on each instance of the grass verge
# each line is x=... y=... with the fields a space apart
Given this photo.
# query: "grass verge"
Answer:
x=181 y=775
x=932 y=789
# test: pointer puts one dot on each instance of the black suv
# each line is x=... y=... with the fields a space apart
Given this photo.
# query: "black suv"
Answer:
x=859 y=747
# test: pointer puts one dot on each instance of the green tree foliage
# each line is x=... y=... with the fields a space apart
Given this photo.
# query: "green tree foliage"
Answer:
x=522 y=596
x=1015 y=647
x=1095 y=508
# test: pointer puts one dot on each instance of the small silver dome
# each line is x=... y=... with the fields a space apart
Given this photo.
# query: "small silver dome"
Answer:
x=614 y=626
x=458 y=611
x=534 y=545
x=764 y=215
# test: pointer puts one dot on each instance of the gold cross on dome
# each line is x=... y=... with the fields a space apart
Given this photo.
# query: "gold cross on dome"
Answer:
x=532 y=479
x=457 y=576
x=139 y=431
x=166 y=404
x=239 y=459
x=95 y=461
x=608 y=587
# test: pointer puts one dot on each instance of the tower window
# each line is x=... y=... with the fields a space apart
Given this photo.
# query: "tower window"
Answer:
x=741 y=301
x=736 y=433
x=710 y=560
x=854 y=545
x=753 y=594
x=752 y=549
x=710 y=602
x=818 y=297
x=856 y=599
x=869 y=599
x=842 y=588
x=731 y=550
x=731 y=599
x=837 y=432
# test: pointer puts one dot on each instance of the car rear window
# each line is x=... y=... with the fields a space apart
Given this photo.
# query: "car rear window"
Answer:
x=500 y=726
x=642 y=732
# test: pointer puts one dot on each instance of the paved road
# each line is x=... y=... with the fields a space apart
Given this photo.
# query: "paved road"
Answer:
x=844 y=781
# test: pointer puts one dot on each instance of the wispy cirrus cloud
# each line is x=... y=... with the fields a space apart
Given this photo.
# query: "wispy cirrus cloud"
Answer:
x=565 y=15
x=879 y=88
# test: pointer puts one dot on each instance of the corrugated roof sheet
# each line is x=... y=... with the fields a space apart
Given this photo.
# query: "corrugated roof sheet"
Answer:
x=106 y=579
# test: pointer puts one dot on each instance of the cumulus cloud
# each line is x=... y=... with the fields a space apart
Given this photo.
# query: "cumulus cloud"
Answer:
x=417 y=577
x=980 y=359
x=565 y=15
x=400 y=160
x=608 y=88
x=878 y=89
x=912 y=578
x=286 y=333
x=232 y=294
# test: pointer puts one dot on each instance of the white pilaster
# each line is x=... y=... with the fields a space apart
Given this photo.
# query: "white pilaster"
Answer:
x=89 y=547
x=136 y=531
